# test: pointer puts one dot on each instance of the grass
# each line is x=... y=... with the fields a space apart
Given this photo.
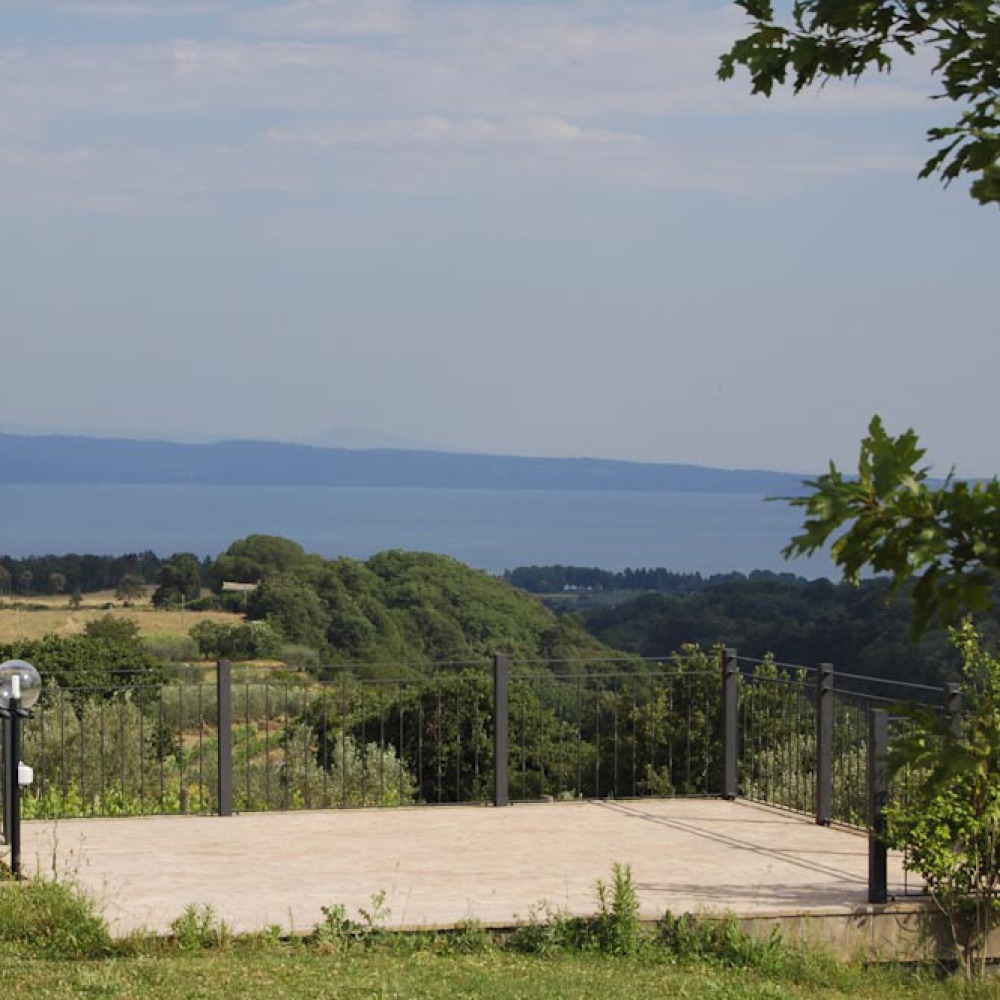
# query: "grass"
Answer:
x=277 y=970
x=54 y=944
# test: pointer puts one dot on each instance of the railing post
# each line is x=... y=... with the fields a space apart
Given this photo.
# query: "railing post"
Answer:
x=501 y=729
x=224 y=700
x=878 y=797
x=953 y=707
x=7 y=786
x=12 y=790
x=730 y=723
x=824 y=745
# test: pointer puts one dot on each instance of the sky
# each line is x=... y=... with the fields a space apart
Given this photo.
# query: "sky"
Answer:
x=538 y=228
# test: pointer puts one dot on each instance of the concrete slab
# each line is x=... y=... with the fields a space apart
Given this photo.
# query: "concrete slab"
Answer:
x=439 y=865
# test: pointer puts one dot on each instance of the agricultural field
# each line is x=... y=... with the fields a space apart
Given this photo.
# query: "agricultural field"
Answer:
x=38 y=616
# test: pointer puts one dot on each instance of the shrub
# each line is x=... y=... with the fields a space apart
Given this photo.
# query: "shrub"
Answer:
x=948 y=825
x=171 y=648
x=296 y=655
x=721 y=940
x=242 y=641
x=616 y=928
x=338 y=931
x=198 y=927
x=52 y=919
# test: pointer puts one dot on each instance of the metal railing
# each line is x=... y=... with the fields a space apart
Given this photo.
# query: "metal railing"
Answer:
x=222 y=741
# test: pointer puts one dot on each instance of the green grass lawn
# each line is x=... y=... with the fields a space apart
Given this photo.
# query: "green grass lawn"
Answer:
x=54 y=943
x=276 y=972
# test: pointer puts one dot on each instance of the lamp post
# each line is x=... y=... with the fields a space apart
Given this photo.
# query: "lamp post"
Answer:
x=20 y=685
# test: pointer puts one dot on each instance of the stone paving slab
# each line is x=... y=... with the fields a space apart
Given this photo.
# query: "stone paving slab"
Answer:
x=438 y=865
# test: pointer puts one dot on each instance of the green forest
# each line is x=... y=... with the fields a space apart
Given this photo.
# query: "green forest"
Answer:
x=418 y=608
x=371 y=683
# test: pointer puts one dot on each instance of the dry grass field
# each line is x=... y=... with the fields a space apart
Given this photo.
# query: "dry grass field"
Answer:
x=58 y=617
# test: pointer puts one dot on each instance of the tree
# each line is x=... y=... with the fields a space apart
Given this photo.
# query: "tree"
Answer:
x=130 y=588
x=294 y=607
x=121 y=630
x=819 y=40
x=242 y=641
x=945 y=539
x=256 y=557
x=179 y=578
x=89 y=664
x=948 y=823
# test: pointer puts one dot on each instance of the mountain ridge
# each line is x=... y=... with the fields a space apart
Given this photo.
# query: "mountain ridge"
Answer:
x=60 y=459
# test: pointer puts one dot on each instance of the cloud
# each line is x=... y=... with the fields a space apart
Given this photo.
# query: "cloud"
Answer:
x=123 y=10
x=451 y=133
x=326 y=95
x=587 y=61
x=313 y=19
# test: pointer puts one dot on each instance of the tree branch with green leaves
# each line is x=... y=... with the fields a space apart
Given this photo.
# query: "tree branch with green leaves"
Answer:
x=820 y=40
x=892 y=518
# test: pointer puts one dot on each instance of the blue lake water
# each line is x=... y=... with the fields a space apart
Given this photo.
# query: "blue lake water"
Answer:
x=489 y=529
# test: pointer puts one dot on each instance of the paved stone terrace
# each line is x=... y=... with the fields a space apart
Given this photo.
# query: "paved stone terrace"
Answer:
x=438 y=865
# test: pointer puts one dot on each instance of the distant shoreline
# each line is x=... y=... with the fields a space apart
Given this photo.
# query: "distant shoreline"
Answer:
x=78 y=461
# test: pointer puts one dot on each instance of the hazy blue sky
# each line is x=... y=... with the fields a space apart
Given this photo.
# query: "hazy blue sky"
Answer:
x=535 y=228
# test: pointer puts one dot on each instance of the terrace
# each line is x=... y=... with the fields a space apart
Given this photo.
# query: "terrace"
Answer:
x=726 y=784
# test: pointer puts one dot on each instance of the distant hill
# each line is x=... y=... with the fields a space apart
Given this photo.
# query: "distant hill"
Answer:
x=363 y=438
x=60 y=459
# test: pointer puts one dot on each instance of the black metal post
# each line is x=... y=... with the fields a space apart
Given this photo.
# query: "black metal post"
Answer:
x=824 y=745
x=730 y=723
x=953 y=707
x=12 y=790
x=878 y=797
x=224 y=700
x=5 y=715
x=501 y=729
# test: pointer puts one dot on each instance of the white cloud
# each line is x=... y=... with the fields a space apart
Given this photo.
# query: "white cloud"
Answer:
x=390 y=95
x=450 y=132
x=123 y=10
x=326 y=19
x=452 y=59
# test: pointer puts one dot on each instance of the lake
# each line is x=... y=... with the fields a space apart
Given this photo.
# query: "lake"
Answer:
x=490 y=529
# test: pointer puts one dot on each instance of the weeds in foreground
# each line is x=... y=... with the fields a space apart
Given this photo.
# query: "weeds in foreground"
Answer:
x=199 y=927
x=339 y=931
x=49 y=918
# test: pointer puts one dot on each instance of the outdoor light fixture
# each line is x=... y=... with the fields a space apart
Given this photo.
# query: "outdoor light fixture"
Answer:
x=19 y=680
x=20 y=686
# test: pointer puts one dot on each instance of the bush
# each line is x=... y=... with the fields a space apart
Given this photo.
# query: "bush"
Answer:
x=46 y=918
x=210 y=602
x=948 y=824
x=242 y=641
x=338 y=931
x=198 y=927
x=285 y=774
x=701 y=939
x=169 y=648
x=296 y=655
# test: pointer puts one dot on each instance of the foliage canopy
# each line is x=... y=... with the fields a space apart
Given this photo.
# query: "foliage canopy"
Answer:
x=397 y=607
x=818 y=40
x=949 y=820
x=893 y=519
